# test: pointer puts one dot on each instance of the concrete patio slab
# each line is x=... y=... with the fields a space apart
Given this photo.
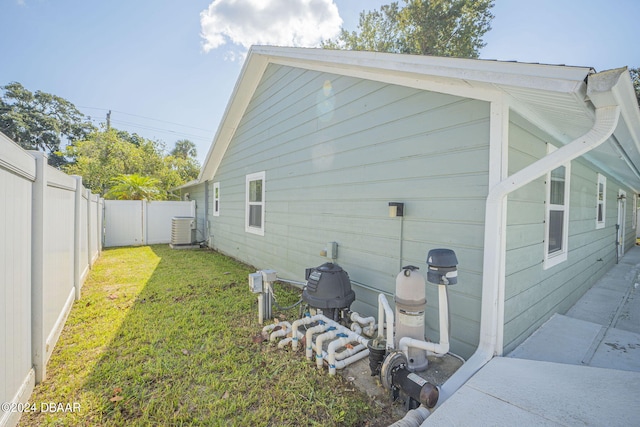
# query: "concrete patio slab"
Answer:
x=618 y=350
x=629 y=315
x=598 y=305
x=582 y=368
x=509 y=391
x=561 y=339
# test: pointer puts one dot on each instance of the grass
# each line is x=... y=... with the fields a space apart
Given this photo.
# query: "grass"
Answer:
x=164 y=337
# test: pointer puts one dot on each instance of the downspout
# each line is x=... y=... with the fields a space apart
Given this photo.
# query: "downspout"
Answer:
x=206 y=213
x=601 y=92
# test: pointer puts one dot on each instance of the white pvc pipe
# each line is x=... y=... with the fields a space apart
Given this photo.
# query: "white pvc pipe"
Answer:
x=369 y=323
x=328 y=324
x=348 y=352
x=356 y=328
x=440 y=348
x=310 y=332
x=304 y=321
x=282 y=332
x=443 y=310
x=341 y=364
x=331 y=354
x=341 y=355
x=272 y=326
x=358 y=352
x=407 y=342
x=284 y=342
x=414 y=418
x=319 y=342
x=384 y=310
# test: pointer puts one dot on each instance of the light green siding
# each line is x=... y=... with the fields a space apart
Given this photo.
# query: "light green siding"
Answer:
x=532 y=293
x=197 y=193
x=335 y=151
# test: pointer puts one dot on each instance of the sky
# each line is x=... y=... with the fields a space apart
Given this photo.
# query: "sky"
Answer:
x=167 y=68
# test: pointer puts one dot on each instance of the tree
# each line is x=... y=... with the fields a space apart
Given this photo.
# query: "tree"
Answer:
x=182 y=162
x=635 y=78
x=184 y=149
x=134 y=187
x=133 y=138
x=423 y=27
x=40 y=121
x=105 y=156
x=102 y=156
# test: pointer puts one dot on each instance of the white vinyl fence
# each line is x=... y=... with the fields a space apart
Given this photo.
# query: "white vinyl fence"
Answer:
x=50 y=235
x=139 y=222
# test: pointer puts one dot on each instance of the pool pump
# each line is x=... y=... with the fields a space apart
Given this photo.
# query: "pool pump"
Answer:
x=396 y=377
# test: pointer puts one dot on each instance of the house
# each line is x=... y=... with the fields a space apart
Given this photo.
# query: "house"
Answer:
x=529 y=172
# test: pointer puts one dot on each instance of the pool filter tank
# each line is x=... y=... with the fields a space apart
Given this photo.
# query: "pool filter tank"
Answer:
x=411 y=301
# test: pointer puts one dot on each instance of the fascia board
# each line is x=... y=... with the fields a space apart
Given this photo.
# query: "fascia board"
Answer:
x=449 y=86
x=191 y=183
x=534 y=76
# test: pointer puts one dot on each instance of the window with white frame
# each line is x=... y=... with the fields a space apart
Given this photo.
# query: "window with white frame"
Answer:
x=601 y=201
x=254 y=212
x=557 y=215
x=216 y=199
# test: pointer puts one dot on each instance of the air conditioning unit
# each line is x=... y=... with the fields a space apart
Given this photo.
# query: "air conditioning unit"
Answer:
x=182 y=230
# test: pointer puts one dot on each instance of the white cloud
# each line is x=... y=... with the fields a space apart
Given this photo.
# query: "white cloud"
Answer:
x=269 y=22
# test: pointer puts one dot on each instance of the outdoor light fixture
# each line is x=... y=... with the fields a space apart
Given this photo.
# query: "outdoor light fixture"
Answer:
x=396 y=209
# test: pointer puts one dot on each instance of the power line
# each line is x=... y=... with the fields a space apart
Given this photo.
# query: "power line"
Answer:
x=177 y=134
x=151 y=128
x=145 y=117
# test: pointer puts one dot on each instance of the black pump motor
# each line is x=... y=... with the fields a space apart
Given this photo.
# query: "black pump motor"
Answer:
x=328 y=289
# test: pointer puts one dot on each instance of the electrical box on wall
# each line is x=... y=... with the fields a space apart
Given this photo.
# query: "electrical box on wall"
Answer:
x=331 y=250
x=396 y=209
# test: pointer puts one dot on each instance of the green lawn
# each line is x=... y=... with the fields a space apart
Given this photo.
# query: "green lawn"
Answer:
x=164 y=337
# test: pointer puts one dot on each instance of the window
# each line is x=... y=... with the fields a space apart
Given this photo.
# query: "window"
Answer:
x=601 y=201
x=254 y=212
x=557 y=215
x=216 y=199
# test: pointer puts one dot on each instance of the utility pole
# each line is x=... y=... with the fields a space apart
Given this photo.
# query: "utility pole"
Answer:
x=109 y=120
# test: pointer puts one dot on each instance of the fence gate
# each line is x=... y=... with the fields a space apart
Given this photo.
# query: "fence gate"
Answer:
x=138 y=222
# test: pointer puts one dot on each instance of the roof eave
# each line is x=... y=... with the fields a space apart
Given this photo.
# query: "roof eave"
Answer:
x=626 y=138
x=478 y=79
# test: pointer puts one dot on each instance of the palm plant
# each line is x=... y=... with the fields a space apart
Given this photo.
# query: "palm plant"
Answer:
x=134 y=187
